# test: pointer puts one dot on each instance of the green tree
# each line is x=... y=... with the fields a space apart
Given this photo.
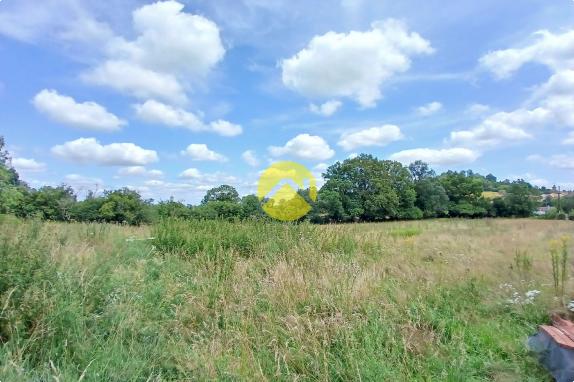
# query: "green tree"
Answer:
x=421 y=171
x=124 y=206
x=53 y=203
x=173 y=209
x=13 y=192
x=88 y=210
x=251 y=207
x=464 y=191
x=372 y=189
x=432 y=199
x=519 y=199
x=218 y=210
x=329 y=207
x=223 y=193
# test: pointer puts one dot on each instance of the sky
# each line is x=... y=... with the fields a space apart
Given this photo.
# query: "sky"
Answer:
x=171 y=98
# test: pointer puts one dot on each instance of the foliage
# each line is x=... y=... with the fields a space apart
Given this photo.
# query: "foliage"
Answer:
x=360 y=189
x=172 y=209
x=464 y=192
x=432 y=199
x=371 y=189
x=223 y=193
x=124 y=206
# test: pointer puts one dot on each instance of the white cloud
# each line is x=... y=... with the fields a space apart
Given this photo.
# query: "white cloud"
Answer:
x=429 y=109
x=52 y=20
x=304 y=146
x=137 y=81
x=477 y=109
x=225 y=128
x=502 y=128
x=172 y=47
x=374 y=136
x=82 y=183
x=569 y=140
x=553 y=50
x=200 y=152
x=354 y=64
x=153 y=111
x=207 y=180
x=90 y=151
x=250 y=158
x=326 y=109
x=156 y=112
x=562 y=161
x=30 y=165
x=139 y=171
x=557 y=96
x=441 y=157
x=191 y=173
x=85 y=115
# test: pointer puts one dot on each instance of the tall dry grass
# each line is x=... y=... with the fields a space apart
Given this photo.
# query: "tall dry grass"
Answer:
x=402 y=301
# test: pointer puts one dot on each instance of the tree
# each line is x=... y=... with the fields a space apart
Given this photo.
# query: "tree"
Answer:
x=251 y=207
x=223 y=193
x=124 y=206
x=218 y=209
x=329 y=207
x=171 y=208
x=464 y=191
x=88 y=210
x=372 y=189
x=421 y=170
x=4 y=155
x=432 y=199
x=519 y=199
x=53 y=203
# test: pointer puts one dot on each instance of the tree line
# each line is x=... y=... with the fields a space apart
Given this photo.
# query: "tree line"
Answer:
x=364 y=188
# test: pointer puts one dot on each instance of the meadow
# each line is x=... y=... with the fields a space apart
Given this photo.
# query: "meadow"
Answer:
x=433 y=300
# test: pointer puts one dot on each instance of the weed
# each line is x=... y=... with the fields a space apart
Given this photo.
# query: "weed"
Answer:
x=559 y=256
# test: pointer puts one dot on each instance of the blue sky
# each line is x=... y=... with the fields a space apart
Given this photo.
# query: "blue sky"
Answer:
x=171 y=98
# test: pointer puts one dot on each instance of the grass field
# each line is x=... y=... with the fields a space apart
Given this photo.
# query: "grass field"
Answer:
x=248 y=301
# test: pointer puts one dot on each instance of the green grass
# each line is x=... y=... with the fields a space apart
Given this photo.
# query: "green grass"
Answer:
x=268 y=301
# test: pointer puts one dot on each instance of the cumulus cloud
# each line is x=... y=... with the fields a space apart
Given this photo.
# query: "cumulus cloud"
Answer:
x=502 y=128
x=354 y=64
x=429 y=109
x=374 y=136
x=556 y=51
x=225 y=128
x=304 y=146
x=326 y=109
x=139 y=171
x=250 y=158
x=153 y=111
x=90 y=151
x=29 y=165
x=126 y=77
x=84 y=115
x=171 y=47
x=440 y=157
x=557 y=96
x=191 y=173
x=200 y=152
